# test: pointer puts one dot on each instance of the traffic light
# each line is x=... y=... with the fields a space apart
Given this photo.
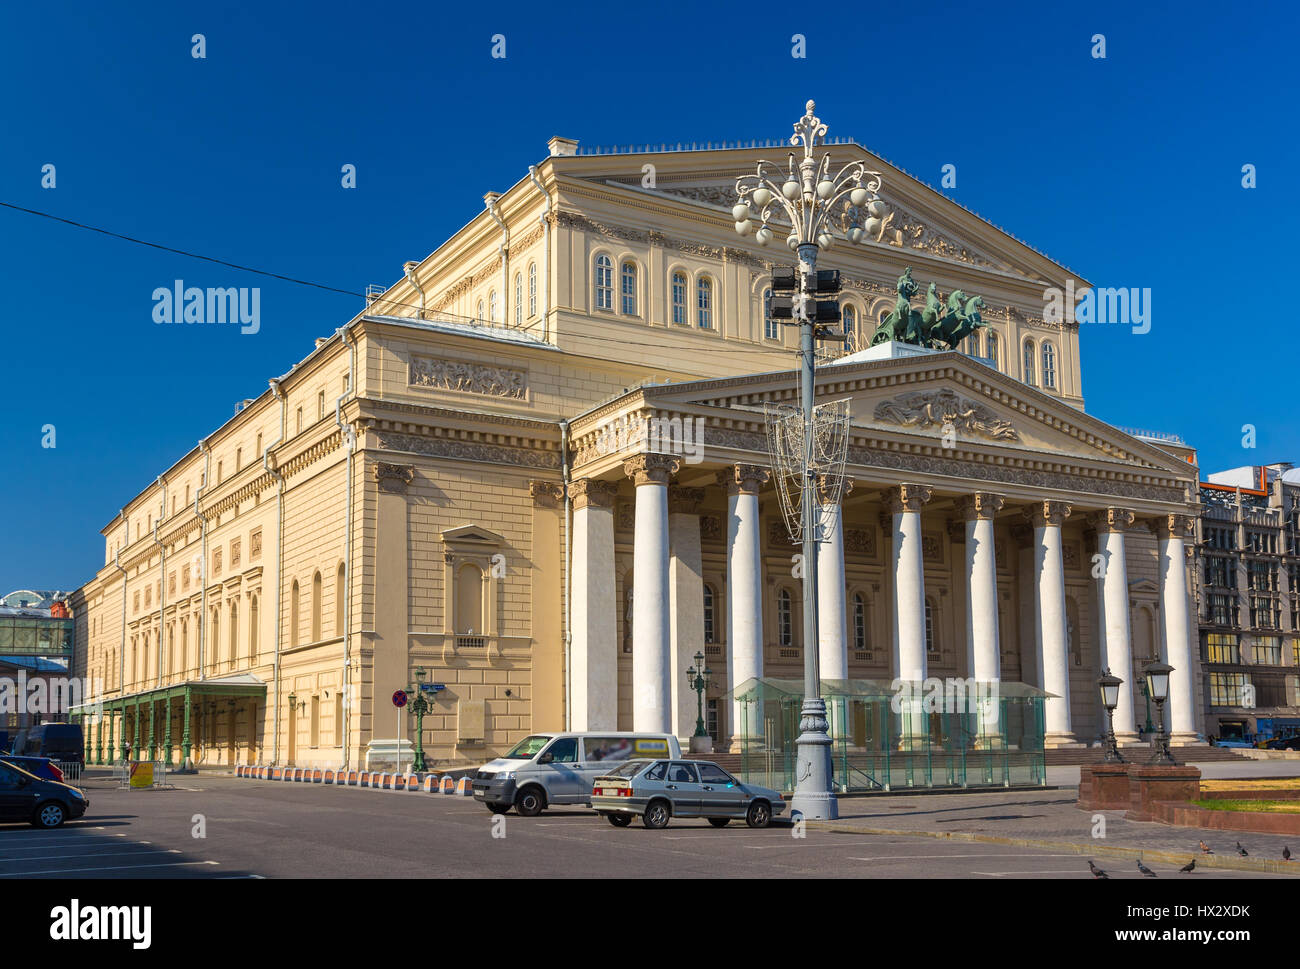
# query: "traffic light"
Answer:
x=820 y=296
x=785 y=283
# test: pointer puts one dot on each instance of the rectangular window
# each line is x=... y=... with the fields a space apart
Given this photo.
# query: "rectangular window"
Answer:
x=1222 y=609
x=315 y=721
x=1221 y=648
x=1268 y=651
x=320 y=406
x=1226 y=689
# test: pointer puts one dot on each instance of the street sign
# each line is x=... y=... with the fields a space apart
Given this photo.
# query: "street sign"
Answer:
x=399 y=698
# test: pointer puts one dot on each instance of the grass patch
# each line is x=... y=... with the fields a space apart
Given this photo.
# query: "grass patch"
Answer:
x=1264 y=784
x=1267 y=807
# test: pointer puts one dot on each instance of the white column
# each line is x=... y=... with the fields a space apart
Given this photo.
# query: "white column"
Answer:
x=832 y=620
x=1050 y=638
x=594 y=678
x=744 y=594
x=904 y=503
x=651 y=665
x=1117 y=640
x=685 y=602
x=983 y=657
x=1180 y=709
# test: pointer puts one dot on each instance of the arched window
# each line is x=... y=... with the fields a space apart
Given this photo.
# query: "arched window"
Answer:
x=859 y=622
x=628 y=589
x=252 y=630
x=771 y=331
x=991 y=350
x=519 y=298
x=480 y=311
x=710 y=628
x=930 y=645
x=680 y=286
x=785 y=618
x=317 y=587
x=469 y=601
x=532 y=290
x=340 y=596
x=234 y=632
x=628 y=275
x=492 y=305
x=850 y=318
x=604 y=283
x=704 y=303
x=293 y=614
x=216 y=637
x=1049 y=366
x=1029 y=363
x=185 y=647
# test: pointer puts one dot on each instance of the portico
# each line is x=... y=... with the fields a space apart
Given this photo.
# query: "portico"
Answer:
x=989 y=535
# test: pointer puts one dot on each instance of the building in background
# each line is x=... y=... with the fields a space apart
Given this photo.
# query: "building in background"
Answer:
x=36 y=651
x=1248 y=576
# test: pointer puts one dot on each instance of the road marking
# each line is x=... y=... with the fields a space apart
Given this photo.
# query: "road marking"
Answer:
x=978 y=855
x=1034 y=871
x=69 y=871
x=160 y=851
x=40 y=846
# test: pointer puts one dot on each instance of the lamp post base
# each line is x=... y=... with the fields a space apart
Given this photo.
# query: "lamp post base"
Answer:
x=814 y=799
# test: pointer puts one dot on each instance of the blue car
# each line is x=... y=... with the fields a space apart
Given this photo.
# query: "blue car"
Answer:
x=43 y=767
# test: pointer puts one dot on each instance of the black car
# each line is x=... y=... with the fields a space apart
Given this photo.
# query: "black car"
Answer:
x=58 y=741
x=1284 y=743
x=46 y=804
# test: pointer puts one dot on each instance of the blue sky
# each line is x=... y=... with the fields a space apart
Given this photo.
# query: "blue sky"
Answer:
x=1126 y=169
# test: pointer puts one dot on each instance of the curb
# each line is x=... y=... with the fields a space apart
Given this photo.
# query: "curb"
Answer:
x=1098 y=850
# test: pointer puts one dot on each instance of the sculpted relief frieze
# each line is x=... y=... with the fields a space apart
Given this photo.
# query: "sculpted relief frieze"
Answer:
x=943 y=407
x=470 y=378
x=466 y=450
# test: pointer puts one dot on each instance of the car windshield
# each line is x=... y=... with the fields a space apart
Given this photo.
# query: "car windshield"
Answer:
x=629 y=769
x=529 y=747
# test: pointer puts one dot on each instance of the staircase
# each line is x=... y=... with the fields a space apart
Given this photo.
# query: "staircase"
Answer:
x=1073 y=756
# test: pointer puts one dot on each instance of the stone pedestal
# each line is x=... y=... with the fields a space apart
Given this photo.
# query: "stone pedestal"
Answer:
x=701 y=745
x=1104 y=787
x=1149 y=784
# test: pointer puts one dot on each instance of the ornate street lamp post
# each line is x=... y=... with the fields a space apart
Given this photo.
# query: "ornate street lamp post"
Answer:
x=1109 y=685
x=419 y=706
x=815 y=202
x=699 y=679
x=1157 y=677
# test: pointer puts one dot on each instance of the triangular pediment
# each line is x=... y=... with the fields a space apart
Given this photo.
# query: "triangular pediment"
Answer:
x=921 y=223
x=471 y=535
x=938 y=401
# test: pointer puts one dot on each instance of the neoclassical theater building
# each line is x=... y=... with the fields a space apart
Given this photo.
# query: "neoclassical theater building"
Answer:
x=460 y=480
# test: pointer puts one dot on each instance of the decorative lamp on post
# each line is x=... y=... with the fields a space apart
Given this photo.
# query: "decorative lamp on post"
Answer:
x=699 y=678
x=419 y=706
x=815 y=202
x=1157 y=677
x=1109 y=685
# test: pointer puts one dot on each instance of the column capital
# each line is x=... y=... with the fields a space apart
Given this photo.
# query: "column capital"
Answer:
x=394 y=477
x=743 y=479
x=906 y=497
x=593 y=492
x=684 y=501
x=979 y=506
x=546 y=494
x=1043 y=513
x=823 y=486
x=1111 y=520
x=648 y=469
x=1173 y=526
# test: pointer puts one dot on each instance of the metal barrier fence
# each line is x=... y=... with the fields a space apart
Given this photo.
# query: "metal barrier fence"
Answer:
x=142 y=775
x=71 y=771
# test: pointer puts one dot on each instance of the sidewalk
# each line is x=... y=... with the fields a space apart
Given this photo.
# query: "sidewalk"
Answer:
x=1050 y=819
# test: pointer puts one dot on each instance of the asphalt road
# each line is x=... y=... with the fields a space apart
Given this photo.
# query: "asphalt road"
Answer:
x=254 y=829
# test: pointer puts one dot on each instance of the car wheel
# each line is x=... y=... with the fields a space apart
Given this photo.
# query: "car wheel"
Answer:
x=49 y=815
x=759 y=815
x=619 y=820
x=719 y=822
x=498 y=808
x=530 y=802
x=657 y=814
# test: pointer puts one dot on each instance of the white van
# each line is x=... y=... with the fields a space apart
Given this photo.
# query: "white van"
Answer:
x=558 y=768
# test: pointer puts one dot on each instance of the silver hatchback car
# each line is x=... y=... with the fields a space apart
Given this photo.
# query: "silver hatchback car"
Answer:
x=662 y=789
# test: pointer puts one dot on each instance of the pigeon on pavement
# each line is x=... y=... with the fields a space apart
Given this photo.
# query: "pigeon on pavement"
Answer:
x=1206 y=849
x=1242 y=851
x=1286 y=853
x=1145 y=870
x=1097 y=872
x=1190 y=866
